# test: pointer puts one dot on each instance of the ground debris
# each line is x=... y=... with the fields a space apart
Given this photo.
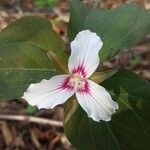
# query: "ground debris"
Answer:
x=27 y=135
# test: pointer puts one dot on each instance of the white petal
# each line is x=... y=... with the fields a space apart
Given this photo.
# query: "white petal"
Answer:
x=84 y=53
x=97 y=102
x=48 y=93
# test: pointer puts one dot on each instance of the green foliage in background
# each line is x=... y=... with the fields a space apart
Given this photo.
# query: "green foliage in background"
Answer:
x=43 y=3
x=30 y=110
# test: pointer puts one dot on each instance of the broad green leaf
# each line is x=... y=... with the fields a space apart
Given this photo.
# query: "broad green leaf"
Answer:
x=23 y=55
x=119 y=28
x=15 y=81
x=129 y=128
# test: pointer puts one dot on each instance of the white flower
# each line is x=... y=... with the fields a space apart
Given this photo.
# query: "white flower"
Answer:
x=84 y=60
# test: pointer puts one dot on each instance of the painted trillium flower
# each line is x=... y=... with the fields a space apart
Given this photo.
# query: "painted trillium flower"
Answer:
x=84 y=60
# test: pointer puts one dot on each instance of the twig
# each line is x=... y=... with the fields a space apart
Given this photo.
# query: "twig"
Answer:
x=31 y=119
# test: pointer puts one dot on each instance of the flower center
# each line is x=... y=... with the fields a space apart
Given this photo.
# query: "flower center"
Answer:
x=77 y=81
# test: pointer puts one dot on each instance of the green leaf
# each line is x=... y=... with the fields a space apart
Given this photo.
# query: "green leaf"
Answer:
x=129 y=128
x=119 y=28
x=41 y=3
x=15 y=81
x=30 y=110
x=23 y=55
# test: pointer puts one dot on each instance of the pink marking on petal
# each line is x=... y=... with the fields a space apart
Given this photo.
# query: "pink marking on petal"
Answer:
x=80 y=69
x=65 y=84
x=85 y=89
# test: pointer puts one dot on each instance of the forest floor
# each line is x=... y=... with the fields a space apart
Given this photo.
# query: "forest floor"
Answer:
x=26 y=135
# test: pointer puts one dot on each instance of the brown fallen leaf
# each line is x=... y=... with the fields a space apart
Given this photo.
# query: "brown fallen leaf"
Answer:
x=6 y=132
x=35 y=139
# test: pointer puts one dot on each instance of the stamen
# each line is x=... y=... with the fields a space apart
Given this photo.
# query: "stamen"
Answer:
x=79 y=83
x=76 y=82
x=80 y=70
